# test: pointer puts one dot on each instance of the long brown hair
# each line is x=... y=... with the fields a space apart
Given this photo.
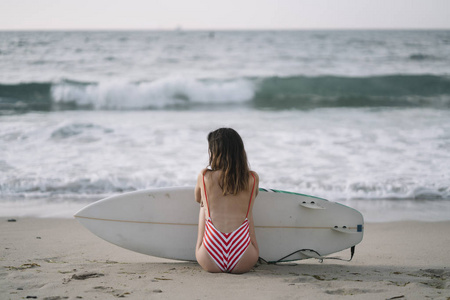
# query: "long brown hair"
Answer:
x=227 y=153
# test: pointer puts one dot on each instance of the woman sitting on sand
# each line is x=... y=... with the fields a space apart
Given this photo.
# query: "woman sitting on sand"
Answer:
x=226 y=235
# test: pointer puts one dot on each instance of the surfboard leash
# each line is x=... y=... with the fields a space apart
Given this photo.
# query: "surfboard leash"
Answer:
x=319 y=257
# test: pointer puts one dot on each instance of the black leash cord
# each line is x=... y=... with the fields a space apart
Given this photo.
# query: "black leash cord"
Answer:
x=320 y=257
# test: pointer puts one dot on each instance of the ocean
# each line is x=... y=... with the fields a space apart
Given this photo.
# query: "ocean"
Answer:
x=361 y=117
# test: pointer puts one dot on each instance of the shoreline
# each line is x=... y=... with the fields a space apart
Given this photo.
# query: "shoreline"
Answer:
x=59 y=258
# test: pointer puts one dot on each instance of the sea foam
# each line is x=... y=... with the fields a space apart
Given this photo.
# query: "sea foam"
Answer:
x=163 y=93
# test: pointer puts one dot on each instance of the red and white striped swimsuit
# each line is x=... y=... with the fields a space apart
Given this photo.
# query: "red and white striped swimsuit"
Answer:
x=226 y=249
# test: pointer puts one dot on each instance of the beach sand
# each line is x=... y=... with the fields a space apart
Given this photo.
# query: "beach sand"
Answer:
x=60 y=259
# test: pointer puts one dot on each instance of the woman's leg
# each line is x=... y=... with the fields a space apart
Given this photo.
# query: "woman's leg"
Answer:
x=201 y=254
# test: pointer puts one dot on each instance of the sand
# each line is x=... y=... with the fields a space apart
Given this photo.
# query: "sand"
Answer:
x=60 y=259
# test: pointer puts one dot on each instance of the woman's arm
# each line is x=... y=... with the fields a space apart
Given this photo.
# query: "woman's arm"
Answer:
x=256 y=183
x=250 y=215
x=198 y=187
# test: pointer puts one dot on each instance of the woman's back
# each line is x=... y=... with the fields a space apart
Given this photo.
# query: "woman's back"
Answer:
x=227 y=212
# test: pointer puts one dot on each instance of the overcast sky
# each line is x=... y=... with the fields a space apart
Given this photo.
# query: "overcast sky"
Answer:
x=224 y=14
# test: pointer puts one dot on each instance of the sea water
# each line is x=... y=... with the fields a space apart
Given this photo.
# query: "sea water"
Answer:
x=358 y=117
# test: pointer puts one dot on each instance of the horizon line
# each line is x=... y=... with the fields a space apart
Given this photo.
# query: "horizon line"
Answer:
x=181 y=29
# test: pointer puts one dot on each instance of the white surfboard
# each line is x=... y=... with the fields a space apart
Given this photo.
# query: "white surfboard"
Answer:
x=163 y=223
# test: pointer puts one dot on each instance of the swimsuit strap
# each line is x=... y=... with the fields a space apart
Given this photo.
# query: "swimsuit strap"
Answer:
x=251 y=196
x=249 y=203
x=206 y=196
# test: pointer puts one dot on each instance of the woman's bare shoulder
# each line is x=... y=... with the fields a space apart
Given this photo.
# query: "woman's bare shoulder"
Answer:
x=256 y=175
x=200 y=175
x=202 y=172
x=256 y=181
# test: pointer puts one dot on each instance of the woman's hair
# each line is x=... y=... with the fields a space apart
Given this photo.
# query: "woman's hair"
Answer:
x=227 y=153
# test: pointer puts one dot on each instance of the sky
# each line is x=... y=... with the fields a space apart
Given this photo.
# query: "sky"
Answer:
x=224 y=14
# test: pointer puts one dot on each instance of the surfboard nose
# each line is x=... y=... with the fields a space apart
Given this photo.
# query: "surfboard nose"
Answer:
x=81 y=212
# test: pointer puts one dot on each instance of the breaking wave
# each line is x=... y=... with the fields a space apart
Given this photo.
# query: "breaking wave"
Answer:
x=300 y=92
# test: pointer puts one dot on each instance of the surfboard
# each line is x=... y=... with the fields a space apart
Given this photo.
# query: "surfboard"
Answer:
x=164 y=223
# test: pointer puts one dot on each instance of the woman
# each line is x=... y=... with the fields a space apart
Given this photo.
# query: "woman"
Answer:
x=226 y=235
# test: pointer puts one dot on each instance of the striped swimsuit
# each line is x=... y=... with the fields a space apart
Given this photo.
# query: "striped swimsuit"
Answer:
x=226 y=249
